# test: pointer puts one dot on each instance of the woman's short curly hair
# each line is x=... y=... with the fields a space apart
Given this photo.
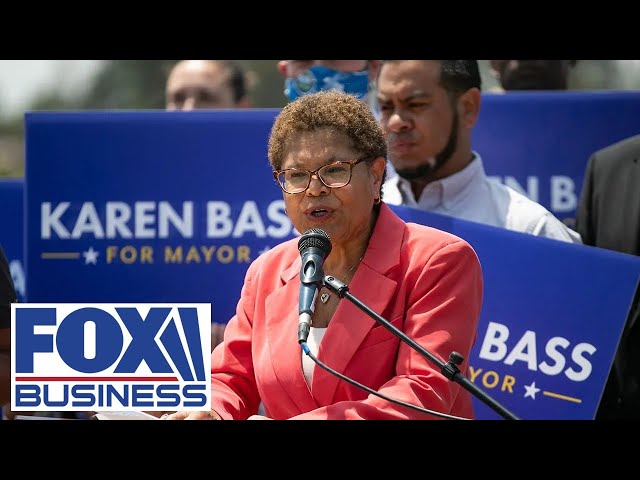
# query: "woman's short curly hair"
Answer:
x=327 y=109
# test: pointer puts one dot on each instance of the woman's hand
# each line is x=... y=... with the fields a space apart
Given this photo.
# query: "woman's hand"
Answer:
x=258 y=417
x=210 y=415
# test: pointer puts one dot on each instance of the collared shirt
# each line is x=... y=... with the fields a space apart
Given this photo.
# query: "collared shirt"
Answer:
x=470 y=195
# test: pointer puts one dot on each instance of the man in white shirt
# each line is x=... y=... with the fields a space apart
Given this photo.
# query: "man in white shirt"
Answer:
x=427 y=109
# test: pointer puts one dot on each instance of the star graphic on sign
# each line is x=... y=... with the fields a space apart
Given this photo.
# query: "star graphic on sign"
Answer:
x=531 y=390
x=264 y=250
x=90 y=256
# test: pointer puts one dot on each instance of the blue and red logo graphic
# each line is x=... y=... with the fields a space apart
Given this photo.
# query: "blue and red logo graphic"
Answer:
x=111 y=357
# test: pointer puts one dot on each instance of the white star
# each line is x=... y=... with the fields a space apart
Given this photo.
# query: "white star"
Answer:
x=531 y=390
x=90 y=256
x=264 y=250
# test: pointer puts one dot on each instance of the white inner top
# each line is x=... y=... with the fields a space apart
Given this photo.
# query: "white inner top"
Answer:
x=313 y=342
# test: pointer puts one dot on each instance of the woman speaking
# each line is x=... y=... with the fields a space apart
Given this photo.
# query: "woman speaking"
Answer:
x=328 y=156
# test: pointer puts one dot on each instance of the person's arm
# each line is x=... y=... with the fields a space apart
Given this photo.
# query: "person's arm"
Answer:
x=5 y=365
x=234 y=393
x=7 y=297
x=442 y=314
x=549 y=226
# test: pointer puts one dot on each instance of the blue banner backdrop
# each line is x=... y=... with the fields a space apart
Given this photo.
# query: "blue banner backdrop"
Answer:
x=11 y=233
x=539 y=142
x=173 y=206
x=513 y=136
x=551 y=318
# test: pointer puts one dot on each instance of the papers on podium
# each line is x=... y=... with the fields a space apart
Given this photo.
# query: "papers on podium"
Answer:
x=124 y=416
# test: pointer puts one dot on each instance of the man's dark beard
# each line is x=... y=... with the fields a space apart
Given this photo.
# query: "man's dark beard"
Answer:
x=421 y=171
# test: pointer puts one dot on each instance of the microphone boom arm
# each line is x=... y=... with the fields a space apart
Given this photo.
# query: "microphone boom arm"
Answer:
x=449 y=369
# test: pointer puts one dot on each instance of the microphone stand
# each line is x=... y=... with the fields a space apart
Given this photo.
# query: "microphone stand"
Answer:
x=449 y=369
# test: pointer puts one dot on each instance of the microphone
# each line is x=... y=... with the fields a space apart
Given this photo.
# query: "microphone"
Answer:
x=314 y=247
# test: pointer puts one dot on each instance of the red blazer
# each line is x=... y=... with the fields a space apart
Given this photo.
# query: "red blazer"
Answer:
x=425 y=281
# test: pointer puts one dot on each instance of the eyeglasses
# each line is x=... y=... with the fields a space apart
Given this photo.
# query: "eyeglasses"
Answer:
x=333 y=175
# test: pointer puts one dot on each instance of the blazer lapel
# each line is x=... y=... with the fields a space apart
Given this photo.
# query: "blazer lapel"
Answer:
x=350 y=325
x=282 y=325
x=348 y=328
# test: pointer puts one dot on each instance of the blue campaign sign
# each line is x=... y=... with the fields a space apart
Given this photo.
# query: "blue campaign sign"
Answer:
x=539 y=142
x=551 y=319
x=149 y=206
x=11 y=233
x=171 y=207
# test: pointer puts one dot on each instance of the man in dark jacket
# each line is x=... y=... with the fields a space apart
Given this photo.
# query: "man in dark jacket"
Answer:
x=608 y=216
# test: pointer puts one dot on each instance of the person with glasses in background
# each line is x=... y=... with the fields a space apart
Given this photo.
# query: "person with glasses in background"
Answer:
x=328 y=156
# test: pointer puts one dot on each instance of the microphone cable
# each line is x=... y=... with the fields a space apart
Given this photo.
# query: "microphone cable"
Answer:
x=322 y=365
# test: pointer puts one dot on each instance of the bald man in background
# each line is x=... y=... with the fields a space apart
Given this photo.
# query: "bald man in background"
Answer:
x=207 y=84
x=202 y=85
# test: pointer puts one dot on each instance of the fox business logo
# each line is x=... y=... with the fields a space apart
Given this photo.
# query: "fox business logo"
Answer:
x=110 y=357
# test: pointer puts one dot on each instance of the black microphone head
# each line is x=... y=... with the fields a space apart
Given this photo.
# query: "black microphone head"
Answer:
x=315 y=237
